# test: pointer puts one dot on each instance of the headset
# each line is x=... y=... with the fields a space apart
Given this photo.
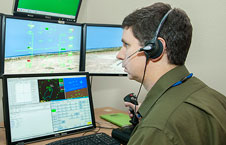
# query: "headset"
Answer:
x=154 y=48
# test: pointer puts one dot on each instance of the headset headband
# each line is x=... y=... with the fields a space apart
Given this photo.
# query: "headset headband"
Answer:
x=160 y=24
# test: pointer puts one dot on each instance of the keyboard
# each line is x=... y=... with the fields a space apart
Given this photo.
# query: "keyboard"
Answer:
x=93 y=139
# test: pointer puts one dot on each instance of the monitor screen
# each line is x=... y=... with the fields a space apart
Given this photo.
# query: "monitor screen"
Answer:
x=50 y=9
x=41 y=47
x=51 y=105
x=102 y=43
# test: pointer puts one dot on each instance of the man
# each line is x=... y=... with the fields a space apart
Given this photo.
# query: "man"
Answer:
x=179 y=109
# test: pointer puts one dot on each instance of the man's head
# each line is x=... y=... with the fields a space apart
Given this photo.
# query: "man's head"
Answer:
x=176 y=30
x=175 y=34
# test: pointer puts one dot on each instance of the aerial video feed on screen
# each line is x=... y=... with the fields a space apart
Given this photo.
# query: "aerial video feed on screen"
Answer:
x=41 y=47
x=102 y=45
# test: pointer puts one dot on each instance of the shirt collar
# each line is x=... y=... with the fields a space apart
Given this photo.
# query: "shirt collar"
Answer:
x=161 y=86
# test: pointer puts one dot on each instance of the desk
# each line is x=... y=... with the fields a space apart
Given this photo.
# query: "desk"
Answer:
x=101 y=122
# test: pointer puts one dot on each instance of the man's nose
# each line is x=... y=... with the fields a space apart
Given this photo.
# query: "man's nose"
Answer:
x=121 y=54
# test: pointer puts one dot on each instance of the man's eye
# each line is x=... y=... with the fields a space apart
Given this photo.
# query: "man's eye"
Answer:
x=125 y=44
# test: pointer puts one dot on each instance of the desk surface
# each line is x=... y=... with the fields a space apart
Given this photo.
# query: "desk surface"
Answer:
x=100 y=122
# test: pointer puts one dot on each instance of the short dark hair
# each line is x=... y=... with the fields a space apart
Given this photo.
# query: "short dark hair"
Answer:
x=176 y=30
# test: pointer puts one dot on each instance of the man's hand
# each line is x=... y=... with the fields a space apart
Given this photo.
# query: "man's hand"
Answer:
x=132 y=106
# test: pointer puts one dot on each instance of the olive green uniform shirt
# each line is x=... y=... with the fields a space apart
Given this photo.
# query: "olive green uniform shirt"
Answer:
x=188 y=114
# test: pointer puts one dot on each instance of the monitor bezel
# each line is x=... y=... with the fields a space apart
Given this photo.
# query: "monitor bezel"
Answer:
x=1 y=46
x=39 y=16
x=6 y=107
x=37 y=20
x=83 y=51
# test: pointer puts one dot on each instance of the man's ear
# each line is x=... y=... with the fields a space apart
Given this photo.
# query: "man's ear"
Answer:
x=161 y=42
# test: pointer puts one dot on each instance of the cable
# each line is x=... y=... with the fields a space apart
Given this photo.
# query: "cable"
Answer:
x=92 y=131
x=99 y=127
x=106 y=127
x=145 y=67
x=103 y=126
x=143 y=77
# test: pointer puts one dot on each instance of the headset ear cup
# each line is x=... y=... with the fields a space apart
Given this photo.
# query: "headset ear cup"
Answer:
x=153 y=50
x=159 y=52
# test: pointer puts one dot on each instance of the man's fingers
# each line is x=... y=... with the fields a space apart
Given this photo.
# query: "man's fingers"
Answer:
x=128 y=104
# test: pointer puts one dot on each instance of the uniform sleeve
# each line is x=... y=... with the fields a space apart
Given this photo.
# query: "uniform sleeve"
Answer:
x=150 y=136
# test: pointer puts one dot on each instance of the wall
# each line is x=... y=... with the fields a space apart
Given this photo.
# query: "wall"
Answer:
x=1 y=109
x=208 y=50
x=206 y=57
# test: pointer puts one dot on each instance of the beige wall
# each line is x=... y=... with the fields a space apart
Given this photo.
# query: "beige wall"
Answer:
x=1 y=109
x=206 y=57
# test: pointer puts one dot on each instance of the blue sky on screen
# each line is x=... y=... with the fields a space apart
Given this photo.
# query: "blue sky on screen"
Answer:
x=26 y=37
x=99 y=37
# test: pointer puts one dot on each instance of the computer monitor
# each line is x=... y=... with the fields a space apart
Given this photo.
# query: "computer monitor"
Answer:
x=48 y=9
x=33 y=46
x=42 y=106
x=1 y=47
x=101 y=43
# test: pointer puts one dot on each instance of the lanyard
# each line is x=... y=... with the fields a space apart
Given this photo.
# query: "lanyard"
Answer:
x=174 y=85
x=183 y=80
